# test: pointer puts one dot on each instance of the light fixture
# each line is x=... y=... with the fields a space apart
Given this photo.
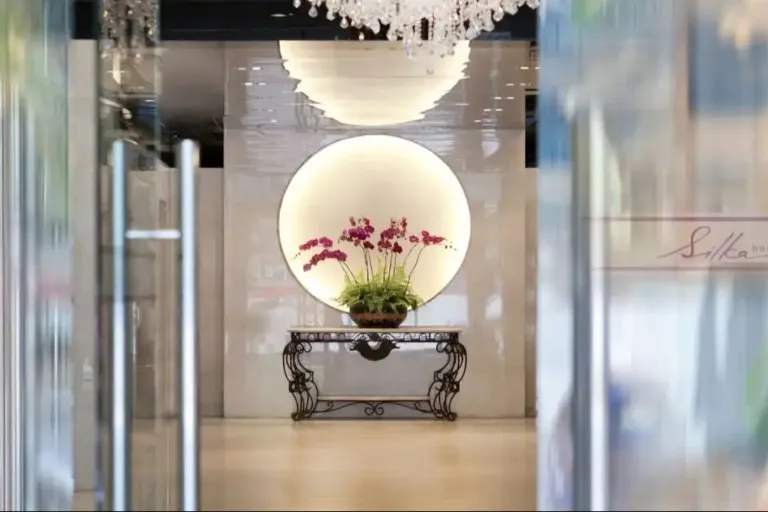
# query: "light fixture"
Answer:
x=371 y=83
x=379 y=177
x=128 y=26
x=437 y=25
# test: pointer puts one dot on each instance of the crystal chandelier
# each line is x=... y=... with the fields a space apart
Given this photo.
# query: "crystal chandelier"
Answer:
x=435 y=25
x=128 y=26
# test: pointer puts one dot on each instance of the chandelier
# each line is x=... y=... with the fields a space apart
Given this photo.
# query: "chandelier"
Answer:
x=434 y=25
x=128 y=26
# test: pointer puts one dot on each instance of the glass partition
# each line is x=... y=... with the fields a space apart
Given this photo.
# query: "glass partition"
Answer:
x=35 y=291
x=139 y=275
x=652 y=260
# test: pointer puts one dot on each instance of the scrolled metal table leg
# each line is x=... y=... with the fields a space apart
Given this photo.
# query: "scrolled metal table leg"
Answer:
x=446 y=382
x=301 y=380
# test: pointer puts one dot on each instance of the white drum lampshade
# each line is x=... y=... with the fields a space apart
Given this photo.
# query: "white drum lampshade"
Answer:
x=371 y=83
x=379 y=177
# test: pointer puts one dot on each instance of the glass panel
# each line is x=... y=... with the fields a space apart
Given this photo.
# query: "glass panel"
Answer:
x=667 y=102
x=129 y=87
x=36 y=288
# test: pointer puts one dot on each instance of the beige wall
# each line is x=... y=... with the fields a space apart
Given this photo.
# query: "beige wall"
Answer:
x=211 y=291
x=153 y=267
x=488 y=296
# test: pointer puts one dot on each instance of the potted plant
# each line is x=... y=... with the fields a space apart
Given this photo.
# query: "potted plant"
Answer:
x=380 y=294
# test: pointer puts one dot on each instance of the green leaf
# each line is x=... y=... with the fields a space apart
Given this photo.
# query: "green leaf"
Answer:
x=382 y=292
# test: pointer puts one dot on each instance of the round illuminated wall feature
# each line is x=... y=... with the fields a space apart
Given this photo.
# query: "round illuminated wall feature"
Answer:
x=371 y=83
x=378 y=177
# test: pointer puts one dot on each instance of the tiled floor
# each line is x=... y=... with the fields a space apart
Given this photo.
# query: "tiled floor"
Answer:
x=352 y=465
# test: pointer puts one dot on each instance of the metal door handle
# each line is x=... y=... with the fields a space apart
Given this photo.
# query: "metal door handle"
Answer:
x=121 y=392
x=187 y=159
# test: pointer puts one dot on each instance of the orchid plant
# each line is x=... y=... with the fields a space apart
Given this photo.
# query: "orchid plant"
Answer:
x=384 y=285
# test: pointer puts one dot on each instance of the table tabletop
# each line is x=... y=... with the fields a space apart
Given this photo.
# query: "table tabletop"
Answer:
x=351 y=330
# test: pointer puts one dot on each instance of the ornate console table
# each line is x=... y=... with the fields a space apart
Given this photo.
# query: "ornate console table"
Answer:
x=375 y=345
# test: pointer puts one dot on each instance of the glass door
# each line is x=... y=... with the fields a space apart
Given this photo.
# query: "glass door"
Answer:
x=661 y=403
x=151 y=362
x=148 y=353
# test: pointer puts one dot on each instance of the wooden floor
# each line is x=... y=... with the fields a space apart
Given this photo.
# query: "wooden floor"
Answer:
x=365 y=465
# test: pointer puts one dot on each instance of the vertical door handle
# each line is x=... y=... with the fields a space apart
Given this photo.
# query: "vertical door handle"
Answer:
x=189 y=436
x=120 y=450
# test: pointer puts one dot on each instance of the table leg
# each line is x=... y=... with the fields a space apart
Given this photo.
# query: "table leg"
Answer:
x=447 y=380
x=301 y=380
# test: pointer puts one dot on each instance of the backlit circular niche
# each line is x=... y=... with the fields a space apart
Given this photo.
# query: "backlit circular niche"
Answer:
x=379 y=177
x=371 y=83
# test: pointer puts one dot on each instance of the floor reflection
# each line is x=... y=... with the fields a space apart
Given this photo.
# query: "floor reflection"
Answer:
x=364 y=465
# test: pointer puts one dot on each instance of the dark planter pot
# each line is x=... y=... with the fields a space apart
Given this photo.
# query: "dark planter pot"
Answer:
x=365 y=320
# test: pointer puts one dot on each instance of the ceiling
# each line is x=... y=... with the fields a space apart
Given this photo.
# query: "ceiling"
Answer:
x=196 y=89
x=262 y=20
x=196 y=82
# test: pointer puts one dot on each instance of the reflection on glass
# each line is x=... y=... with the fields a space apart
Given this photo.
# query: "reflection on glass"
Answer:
x=36 y=288
x=682 y=106
x=128 y=89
